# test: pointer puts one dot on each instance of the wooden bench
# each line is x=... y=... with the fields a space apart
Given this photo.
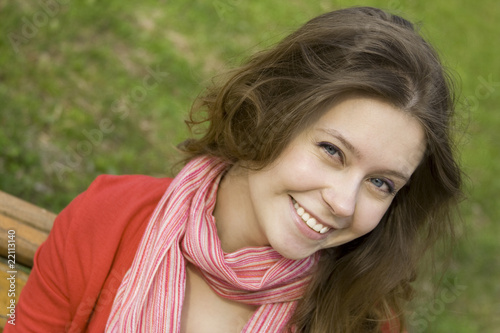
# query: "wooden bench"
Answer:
x=26 y=226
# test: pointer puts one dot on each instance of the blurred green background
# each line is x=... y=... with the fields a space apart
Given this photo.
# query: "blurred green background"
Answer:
x=91 y=87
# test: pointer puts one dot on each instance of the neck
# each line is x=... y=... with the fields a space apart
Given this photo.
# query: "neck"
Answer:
x=234 y=216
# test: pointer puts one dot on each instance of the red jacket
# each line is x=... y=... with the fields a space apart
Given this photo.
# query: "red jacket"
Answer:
x=78 y=269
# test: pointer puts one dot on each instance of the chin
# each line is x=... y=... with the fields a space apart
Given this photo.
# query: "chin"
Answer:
x=287 y=250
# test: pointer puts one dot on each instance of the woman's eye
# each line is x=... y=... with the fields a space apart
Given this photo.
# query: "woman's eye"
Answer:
x=382 y=184
x=332 y=152
x=330 y=149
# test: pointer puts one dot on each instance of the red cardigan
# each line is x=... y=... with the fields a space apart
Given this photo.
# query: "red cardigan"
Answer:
x=79 y=268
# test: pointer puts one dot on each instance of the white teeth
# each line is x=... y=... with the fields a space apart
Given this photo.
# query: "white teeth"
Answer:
x=310 y=221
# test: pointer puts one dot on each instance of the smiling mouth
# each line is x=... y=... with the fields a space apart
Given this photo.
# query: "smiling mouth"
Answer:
x=311 y=222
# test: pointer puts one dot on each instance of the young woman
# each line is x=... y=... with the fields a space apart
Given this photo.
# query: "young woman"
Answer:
x=325 y=172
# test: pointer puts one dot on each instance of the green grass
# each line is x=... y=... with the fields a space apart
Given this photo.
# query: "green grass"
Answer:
x=74 y=104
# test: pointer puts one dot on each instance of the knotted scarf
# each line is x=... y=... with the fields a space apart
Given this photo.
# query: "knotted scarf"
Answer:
x=181 y=228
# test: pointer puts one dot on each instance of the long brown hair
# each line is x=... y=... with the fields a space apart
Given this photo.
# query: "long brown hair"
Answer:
x=262 y=105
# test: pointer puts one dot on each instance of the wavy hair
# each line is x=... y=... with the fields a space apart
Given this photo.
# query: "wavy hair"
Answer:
x=264 y=104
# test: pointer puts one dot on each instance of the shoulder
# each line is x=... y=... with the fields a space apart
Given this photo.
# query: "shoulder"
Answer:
x=111 y=202
x=109 y=192
x=92 y=226
x=111 y=205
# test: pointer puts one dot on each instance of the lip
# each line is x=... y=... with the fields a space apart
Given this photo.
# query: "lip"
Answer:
x=304 y=229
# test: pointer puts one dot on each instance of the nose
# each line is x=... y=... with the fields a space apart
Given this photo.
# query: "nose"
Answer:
x=341 y=196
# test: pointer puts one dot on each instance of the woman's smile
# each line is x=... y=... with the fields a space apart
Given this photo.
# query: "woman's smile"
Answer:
x=308 y=223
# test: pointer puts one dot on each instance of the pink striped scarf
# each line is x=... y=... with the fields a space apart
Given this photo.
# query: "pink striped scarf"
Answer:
x=151 y=294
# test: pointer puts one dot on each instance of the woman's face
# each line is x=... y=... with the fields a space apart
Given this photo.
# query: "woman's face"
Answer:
x=335 y=180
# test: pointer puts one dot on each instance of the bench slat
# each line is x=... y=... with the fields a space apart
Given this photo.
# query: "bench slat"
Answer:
x=27 y=239
x=26 y=212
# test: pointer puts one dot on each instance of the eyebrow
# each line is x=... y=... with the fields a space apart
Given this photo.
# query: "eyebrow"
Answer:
x=353 y=150
x=394 y=173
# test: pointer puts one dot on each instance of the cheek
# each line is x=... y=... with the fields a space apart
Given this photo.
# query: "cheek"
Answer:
x=368 y=216
x=298 y=172
x=304 y=167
